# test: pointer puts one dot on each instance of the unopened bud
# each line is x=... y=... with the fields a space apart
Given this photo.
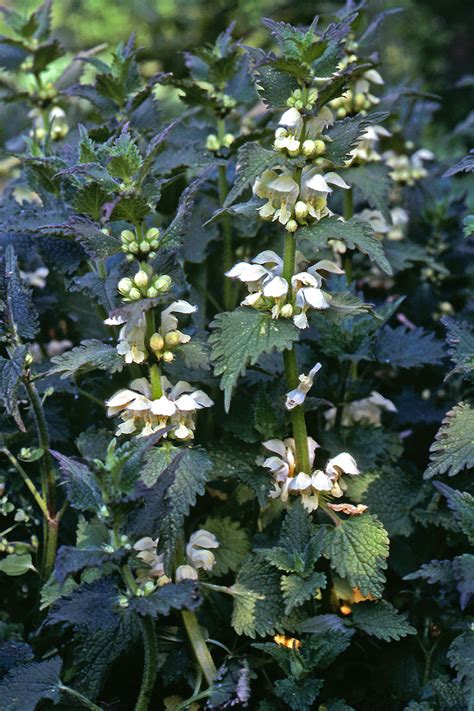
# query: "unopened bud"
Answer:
x=148 y=587
x=144 y=246
x=301 y=210
x=172 y=338
x=162 y=283
x=134 y=294
x=123 y=601
x=141 y=279
x=212 y=143
x=168 y=357
x=286 y=311
x=133 y=247
x=124 y=286
x=319 y=147
x=308 y=147
x=281 y=132
x=228 y=140
x=156 y=342
x=291 y=226
x=153 y=233
x=151 y=292
x=127 y=236
x=28 y=359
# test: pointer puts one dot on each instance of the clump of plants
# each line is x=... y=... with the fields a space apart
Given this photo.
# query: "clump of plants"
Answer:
x=237 y=362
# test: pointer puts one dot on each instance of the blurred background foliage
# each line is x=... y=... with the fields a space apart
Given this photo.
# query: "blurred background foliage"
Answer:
x=428 y=45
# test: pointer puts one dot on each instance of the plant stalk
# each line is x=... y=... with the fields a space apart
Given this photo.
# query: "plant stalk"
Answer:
x=227 y=252
x=199 y=646
x=297 y=417
x=150 y=664
x=80 y=697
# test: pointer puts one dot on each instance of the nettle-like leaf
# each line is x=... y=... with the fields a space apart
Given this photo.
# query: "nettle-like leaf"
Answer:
x=258 y=603
x=373 y=182
x=402 y=347
x=355 y=233
x=91 y=606
x=461 y=504
x=460 y=339
x=463 y=571
x=436 y=571
x=298 y=695
x=461 y=657
x=465 y=165
x=297 y=590
x=240 y=337
x=252 y=160
x=382 y=620
x=89 y=355
x=179 y=596
x=71 y=560
x=19 y=311
x=233 y=461
x=452 y=450
x=357 y=550
x=345 y=134
x=370 y=446
x=81 y=484
x=11 y=373
x=234 y=544
x=27 y=684
x=273 y=86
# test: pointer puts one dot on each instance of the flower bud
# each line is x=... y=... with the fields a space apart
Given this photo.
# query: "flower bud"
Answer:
x=28 y=359
x=134 y=294
x=297 y=93
x=341 y=113
x=151 y=292
x=127 y=236
x=124 y=286
x=141 y=279
x=281 y=132
x=152 y=234
x=212 y=144
x=291 y=226
x=168 y=357
x=149 y=587
x=299 y=105
x=319 y=147
x=172 y=338
x=228 y=139
x=156 y=342
x=162 y=283
x=144 y=246
x=290 y=101
x=286 y=311
x=308 y=148
x=301 y=210
x=122 y=601
x=133 y=247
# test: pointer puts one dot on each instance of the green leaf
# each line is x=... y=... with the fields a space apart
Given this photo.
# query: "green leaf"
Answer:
x=299 y=695
x=233 y=461
x=373 y=182
x=358 y=549
x=125 y=159
x=453 y=450
x=355 y=233
x=172 y=596
x=83 y=490
x=20 y=313
x=89 y=355
x=402 y=347
x=463 y=570
x=461 y=504
x=252 y=160
x=461 y=657
x=14 y=565
x=240 y=337
x=460 y=338
x=296 y=590
x=27 y=684
x=274 y=87
x=11 y=373
x=370 y=446
x=234 y=544
x=258 y=604
x=345 y=134
x=381 y=620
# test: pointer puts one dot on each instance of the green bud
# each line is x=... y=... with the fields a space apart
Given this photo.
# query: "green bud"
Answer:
x=299 y=105
x=134 y=294
x=133 y=247
x=151 y=292
x=162 y=283
x=308 y=148
x=172 y=338
x=153 y=233
x=228 y=139
x=124 y=286
x=212 y=143
x=149 y=587
x=123 y=601
x=127 y=236
x=286 y=311
x=301 y=210
x=152 y=255
x=141 y=279
x=319 y=147
x=156 y=342
x=144 y=246
x=168 y=357
x=291 y=226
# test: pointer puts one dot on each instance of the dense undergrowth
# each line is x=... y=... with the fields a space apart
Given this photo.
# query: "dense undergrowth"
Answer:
x=237 y=363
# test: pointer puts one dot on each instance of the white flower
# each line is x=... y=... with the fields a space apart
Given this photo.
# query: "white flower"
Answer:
x=186 y=572
x=131 y=343
x=170 y=323
x=287 y=137
x=263 y=280
x=317 y=124
x=37 y=278
x=197 y=550
x=281 y=191
x=297 y=396
x=282 y=466
x=146 y=548
x=407 y=169
x=366 y=149
x=367 y=411
x=307 y=290
x=56 y=347
x=399 y=222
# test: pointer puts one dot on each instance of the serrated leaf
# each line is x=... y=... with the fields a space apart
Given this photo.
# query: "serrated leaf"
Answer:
x=234 y=544
x=436 y=571
x=357 y=550
x=461 y=657
x=89 y=355
x=453 y=448
x=11 y=373
x=373 y=182
x=296 y=590
x=179 y=596
x=299 y=695
x=355 y=233
x=258 y=604
x=382 y=620
x=460 y=338
x=370 y=446
x=234 y=461
x=231 y=685
x=463 y=570
x=13 y=653
x=90 y=606
x=402 y=347
x=27 y=684
x=461 y=504
x=345 y=134
x=71 y=560
x=252 y=160
x=240 y=337
x=83 y=490
x=21 y=315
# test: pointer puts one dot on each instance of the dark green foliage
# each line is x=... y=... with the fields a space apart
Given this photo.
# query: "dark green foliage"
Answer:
x=27 y=684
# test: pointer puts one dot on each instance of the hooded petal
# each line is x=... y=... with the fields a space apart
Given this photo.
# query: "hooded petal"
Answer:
x=275 y=287
x=335 y=179
x=344 y=463
x=163 y=407
x=321 y=481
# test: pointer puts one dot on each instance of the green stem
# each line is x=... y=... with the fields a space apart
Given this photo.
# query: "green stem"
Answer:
x=199 y=646
x=80 y=697
x=297 y=418
x=348 y=204
x=196 y=697
x=150 y=664
x=32 y=488
x=155 y=382
x=228 y=252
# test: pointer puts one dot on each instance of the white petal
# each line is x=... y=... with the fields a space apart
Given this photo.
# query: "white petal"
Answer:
x=301 y=482
x=382 y=402
x=305 y=278
x=182 y=432
x=312 y=447
x=186 y=572
x=321 y=481
x=284 y=184
x=142 y=386
x=121 y=398
x=300 y=320
x=276 y=287
x=327 y=265
x=246 y=272
x=336 y=179
x=114 y=321
x=251 y=299
x=294 y=398
x=268 y=257
x=292 y=119
x=163 y=406
x=314 y=297
x=317 y=184
x=275 y=445
x=201 y=399
x=344 y=463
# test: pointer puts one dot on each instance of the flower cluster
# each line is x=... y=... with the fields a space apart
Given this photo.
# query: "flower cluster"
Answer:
x=213 y=143
x=407 y=169
x=55 y=125
x=142 y=415
x=269 y=290
x=394 y=231
x=358 y=98
x=365 y=150
x=303 y=98
x=153 y=561
x=367 y=411
x=310 y=487
x=144 y=284
x=198 y=555
x=297 y=136
x=141 y=247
